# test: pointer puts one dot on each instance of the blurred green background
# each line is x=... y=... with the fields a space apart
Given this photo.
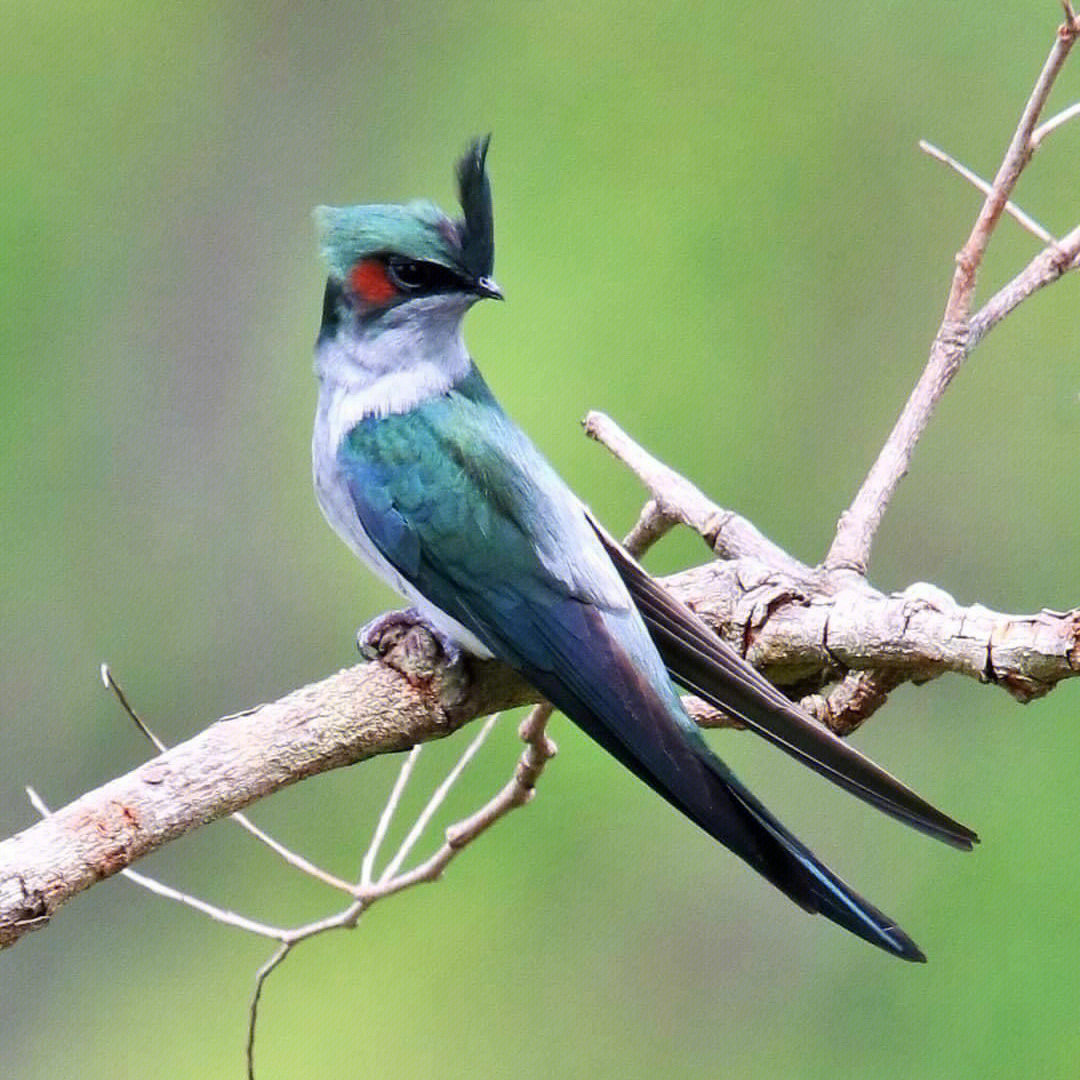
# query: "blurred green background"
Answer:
x=712 y=223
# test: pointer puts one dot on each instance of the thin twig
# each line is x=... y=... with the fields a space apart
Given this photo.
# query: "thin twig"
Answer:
x=518 y=791
x=218 y=914
x=855 y=531
x=1024 y=219
x=287 y=855
x=1016 y=158
x=294 y=859
x=1051 y=125
x=367 y=867
x=437 y=799
x=253 y=1009
x=117 y=691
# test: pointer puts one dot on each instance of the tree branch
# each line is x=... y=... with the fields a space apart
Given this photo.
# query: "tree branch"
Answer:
x=375 y=708
x=954 y=341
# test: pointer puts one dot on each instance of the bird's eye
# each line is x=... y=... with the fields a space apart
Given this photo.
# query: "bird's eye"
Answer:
x=408 y=274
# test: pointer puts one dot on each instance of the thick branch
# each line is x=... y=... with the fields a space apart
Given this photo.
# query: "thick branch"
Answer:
x=361 y=711
x=798 y=627
x=802 y=635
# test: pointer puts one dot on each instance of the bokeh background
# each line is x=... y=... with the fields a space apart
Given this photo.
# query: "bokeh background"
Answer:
x=714 y=224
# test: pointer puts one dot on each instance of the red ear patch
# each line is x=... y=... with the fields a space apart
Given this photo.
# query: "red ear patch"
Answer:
x=368 y=281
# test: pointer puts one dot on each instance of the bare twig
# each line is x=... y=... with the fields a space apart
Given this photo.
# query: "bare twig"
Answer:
x=367 y=867
x=1024 y=219
x=853 y=700
x=117 y=691
x=261 y=976
x=437 y=800
x=1049 y=126
x=676 y=499
x=850 y=550
x=295 y=860
x=652 y=525
x=1016 y=158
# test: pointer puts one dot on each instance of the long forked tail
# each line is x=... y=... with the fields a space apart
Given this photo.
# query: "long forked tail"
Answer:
x=804 y=878
x=678 y=765
x=693 y=779
x=643 y=725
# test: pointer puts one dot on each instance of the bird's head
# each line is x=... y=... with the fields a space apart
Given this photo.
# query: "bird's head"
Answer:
x=387 y=261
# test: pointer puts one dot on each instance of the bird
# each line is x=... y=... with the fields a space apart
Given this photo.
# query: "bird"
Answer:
x=425 y=477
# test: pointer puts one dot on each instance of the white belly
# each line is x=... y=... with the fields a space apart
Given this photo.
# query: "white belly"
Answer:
x=337 y=506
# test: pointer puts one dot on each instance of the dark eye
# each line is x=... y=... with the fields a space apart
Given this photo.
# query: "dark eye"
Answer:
x=408 y=274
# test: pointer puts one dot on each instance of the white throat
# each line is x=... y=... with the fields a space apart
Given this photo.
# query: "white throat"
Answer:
x=416 y=353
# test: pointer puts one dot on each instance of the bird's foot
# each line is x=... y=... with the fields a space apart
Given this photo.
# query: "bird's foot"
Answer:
x=407 y=642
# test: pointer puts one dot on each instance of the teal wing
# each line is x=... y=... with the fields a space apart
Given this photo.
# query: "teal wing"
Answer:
x=461 y=504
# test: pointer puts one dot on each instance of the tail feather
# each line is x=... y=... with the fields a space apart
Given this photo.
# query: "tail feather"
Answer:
x=705 y=665
x=645 y=728
x=818 y=888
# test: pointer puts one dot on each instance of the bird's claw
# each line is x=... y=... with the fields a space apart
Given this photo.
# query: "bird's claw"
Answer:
x=376 y=638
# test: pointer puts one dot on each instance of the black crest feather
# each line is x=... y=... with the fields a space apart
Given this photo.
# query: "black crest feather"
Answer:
x=478 y=228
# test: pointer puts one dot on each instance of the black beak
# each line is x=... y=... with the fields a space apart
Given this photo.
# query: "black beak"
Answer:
x=486 y=289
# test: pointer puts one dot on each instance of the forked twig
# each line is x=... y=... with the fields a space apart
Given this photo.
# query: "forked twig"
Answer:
x=850 y=550
x=516 y=792
x=1014 y=211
